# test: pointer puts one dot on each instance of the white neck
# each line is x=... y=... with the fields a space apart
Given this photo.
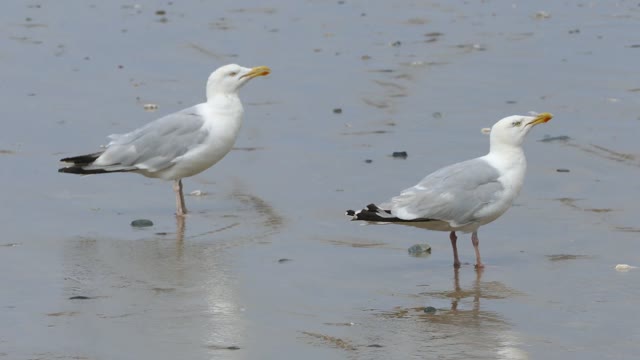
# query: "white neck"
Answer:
x=506 y=156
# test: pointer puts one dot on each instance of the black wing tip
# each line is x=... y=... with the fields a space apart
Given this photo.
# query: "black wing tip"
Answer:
x=82 y=159
x=374 y=213
x=370 y=213
x=79 y=170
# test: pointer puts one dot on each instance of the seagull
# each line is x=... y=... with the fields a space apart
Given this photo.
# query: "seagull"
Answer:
x=180 y=144
x=466 y=195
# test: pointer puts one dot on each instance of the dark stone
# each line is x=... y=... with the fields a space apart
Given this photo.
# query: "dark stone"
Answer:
x=400 y=154
x=284 y=260
x=368 y=161
x=80 y=297
x=141 y=223
x=430 y=310
x=562 y=170
x=337 y=111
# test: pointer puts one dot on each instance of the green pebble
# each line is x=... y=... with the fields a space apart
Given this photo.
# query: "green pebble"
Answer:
x=141 y=223
x=420 y=249
x=430 y=310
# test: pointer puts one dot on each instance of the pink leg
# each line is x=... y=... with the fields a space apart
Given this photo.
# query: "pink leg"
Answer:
x=476 y=246
x=454 y=238
x=181 y=209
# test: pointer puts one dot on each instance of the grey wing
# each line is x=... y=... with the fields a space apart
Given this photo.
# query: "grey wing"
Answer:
x=453 y=194
x=154 y=146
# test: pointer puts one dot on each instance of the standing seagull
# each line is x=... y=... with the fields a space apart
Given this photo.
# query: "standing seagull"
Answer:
x=465 y=195
x=181 y=144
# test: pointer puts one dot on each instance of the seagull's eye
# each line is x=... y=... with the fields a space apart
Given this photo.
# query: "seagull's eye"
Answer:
x=233 y=73
x=516 y=123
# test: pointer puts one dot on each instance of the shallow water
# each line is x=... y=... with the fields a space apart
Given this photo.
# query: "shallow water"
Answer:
x=266 y=265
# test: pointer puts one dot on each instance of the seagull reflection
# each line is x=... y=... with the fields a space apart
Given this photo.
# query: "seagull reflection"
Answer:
x=463 y=329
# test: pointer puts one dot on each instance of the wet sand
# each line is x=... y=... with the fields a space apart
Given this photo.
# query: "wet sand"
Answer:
x=267 y=266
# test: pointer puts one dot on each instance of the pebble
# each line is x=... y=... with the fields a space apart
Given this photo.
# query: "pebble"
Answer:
x=141 y=223
x=284 y=260
x=542 y=15
x=337 y=111
x=368 y=161
x=562 y=170
x=437 y=115
x=624 y=267
x=430 y=310
x=420 y=249
x=150 y=107
x=400 y=154
x=79 y=297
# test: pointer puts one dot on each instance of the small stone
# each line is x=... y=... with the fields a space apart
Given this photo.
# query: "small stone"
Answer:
x=511 y=102
x=368 y=161
x=284 y=260
x=141 y=223
x=430 y=310
x=624 y=267
x=337 y=111
x=542 y=15
x=80 y=297
x=419 y=250
x=150 y=107
x=562 y=170
x=400 y=154
x=365 y=57
x=396 y=43
x=437 y=115
x=161 y=12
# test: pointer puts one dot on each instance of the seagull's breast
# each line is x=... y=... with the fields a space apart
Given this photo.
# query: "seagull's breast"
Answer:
x=222 y=123
x=512 y=168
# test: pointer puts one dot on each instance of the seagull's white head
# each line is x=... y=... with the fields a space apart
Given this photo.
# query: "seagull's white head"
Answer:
x=230 y=78
x=512 y=130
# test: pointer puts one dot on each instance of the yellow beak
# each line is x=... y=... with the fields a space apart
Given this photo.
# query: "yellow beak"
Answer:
x=257 y=71
x=541 y=118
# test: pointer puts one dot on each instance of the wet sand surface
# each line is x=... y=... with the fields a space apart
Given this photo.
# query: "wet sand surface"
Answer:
x=267 y=266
